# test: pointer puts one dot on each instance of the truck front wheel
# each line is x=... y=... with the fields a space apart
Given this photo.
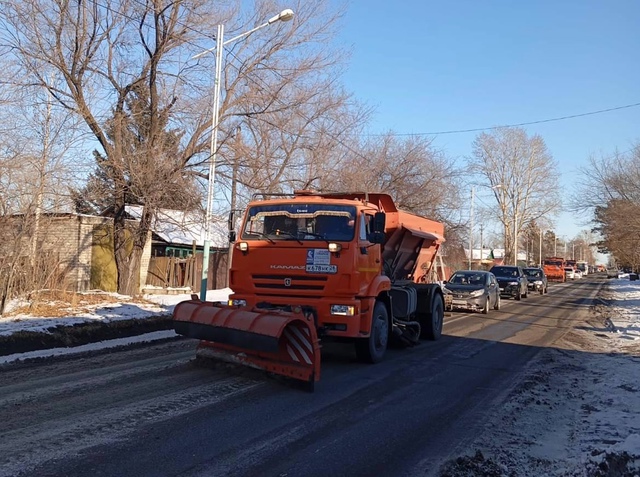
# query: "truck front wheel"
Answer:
x=372 y=349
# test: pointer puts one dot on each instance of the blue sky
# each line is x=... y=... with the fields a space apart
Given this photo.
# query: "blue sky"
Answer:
x=428 y=66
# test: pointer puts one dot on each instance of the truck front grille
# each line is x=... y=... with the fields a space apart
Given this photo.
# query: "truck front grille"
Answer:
x=290 y=282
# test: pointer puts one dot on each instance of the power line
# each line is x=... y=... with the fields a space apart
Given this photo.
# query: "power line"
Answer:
x=528 y=123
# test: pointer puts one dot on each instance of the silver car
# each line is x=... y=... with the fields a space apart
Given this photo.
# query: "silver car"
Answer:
x=474 y=290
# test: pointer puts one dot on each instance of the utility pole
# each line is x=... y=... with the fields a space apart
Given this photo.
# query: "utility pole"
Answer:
x=540 y=262
x=481 y=243
x=515 y=238
x=471 y=228
x=234 y=185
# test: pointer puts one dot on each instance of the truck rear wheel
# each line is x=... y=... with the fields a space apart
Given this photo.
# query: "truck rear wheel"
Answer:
x=431 y=324
x=372 y=349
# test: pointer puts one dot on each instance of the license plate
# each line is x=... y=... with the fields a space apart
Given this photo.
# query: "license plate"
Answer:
x=459 y=302
x=501 y=289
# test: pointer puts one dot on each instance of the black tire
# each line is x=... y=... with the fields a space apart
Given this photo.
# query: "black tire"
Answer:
x=496 y=305
x=431 y=324
x=542 y=290
x=526 y=293
x=546 y=289
x=373 y=348
x=518 y=297
x=485 y=308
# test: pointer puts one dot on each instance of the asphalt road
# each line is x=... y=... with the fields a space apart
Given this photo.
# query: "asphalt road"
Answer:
x=153 y=411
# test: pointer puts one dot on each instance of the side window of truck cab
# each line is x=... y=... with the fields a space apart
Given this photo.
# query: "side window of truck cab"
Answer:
x=365 y=221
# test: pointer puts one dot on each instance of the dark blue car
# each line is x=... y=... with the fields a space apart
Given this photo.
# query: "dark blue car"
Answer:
x=512 y=281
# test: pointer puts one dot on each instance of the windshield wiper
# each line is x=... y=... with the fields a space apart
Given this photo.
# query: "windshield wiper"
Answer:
x=261 y=234
x=290 y=234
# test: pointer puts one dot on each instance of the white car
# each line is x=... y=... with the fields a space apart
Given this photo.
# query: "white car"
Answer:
x=577 y=274
x=569 y=273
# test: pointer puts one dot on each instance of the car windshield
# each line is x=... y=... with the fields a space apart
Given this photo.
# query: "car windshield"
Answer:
x=300 y=222
x=505 y=271
x=467 y=278
x=533 y=273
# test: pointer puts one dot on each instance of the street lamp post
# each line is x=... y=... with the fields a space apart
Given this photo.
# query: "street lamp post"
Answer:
x=284 y=15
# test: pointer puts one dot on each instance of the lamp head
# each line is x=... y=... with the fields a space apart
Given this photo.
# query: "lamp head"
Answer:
x=284 y=15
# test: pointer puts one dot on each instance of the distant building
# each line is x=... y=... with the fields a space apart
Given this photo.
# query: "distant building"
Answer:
x=485 y=258
x=176 y=232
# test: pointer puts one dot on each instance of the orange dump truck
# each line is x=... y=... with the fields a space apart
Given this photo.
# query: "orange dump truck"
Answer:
x=312 y=267
x=554 y=269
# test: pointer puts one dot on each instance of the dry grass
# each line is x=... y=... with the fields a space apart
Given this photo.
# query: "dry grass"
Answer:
x=59 y=303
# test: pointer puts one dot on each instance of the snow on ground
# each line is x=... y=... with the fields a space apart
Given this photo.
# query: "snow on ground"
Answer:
x=577 y=412
x=122 y=309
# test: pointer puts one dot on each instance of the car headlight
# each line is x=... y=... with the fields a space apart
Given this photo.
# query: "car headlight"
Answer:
x=513 y=283
x=476 y=293
x=344 y=310
x=237 y=302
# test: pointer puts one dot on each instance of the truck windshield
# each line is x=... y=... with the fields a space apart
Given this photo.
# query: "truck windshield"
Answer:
x=300 y=222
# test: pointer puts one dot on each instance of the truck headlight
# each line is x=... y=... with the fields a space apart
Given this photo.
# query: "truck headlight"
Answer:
x=237 y=302
x=344 y=310
x=334 y=247
x=243 y=246
x=476 y=293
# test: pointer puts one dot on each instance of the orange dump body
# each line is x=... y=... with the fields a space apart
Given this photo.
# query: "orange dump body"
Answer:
x=554 y=269
x=292 y=288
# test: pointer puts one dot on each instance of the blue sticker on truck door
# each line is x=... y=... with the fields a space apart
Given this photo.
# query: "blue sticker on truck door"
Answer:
x=319 y=261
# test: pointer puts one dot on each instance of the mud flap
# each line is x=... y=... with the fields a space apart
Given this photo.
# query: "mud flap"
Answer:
x=280 y=342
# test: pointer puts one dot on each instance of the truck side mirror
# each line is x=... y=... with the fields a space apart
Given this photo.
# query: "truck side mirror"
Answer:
x=230 y=226
x=377 y=235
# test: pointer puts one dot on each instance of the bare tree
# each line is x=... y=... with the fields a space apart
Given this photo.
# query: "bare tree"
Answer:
x=32 y=168
x=419 y=177
x=522 y=175
x=613 y=201
x=124 y=69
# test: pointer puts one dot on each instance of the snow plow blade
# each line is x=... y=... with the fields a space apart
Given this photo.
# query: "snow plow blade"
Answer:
x=280 y=342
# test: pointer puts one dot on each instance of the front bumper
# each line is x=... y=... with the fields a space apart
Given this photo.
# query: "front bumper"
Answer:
x=467 y=302
x=509 y=290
